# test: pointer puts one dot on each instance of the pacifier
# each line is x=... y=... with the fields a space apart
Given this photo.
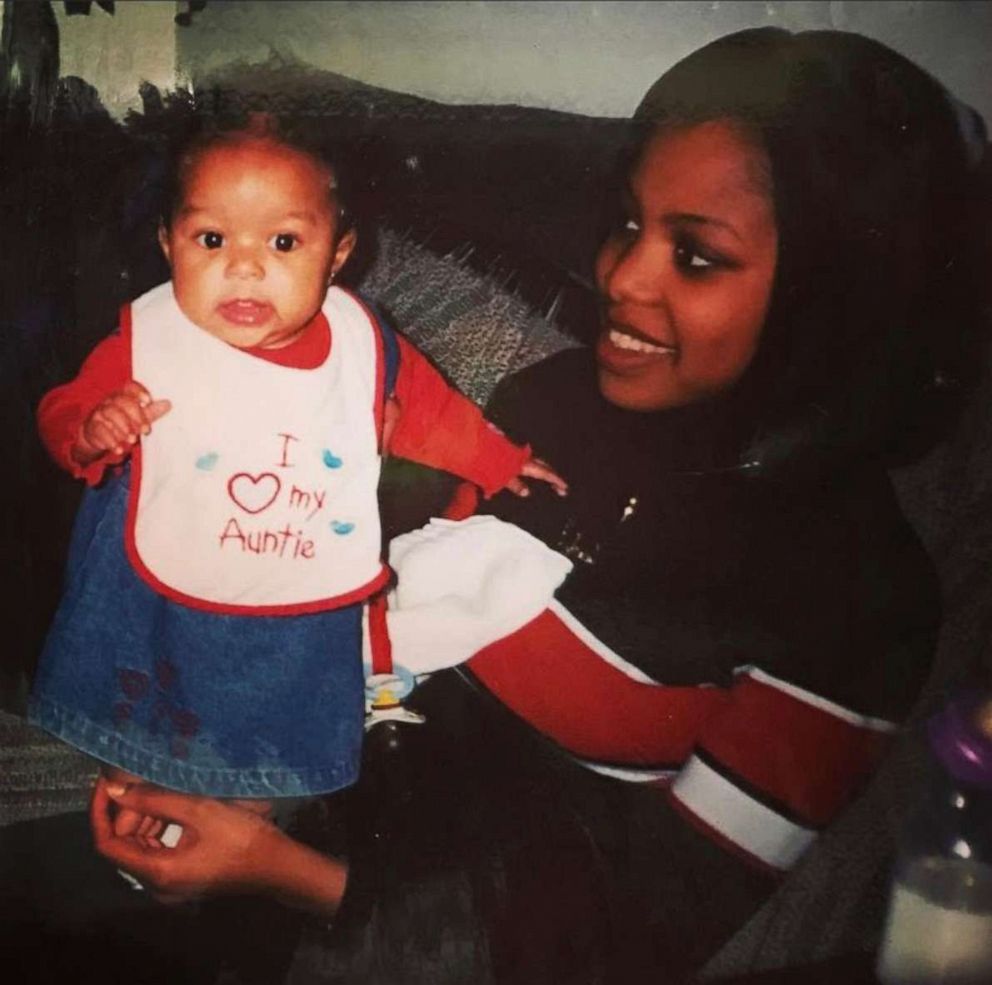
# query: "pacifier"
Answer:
x=384 y=694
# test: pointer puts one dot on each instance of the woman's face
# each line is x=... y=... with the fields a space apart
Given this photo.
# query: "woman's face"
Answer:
x=686 y=281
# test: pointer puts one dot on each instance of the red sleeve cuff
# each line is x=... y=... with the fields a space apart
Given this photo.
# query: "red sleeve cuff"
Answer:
x=499 y=460
x=62 y=411
x=59 y=428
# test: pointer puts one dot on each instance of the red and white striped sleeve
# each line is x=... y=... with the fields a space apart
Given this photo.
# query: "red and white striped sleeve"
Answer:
x=774 y=767
x=759 y=766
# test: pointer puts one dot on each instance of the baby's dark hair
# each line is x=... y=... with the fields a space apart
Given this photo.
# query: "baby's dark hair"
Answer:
x=870 y=338
x=207 y=130
x=173 y=129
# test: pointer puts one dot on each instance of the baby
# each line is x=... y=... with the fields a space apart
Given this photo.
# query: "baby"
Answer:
x=210 y=636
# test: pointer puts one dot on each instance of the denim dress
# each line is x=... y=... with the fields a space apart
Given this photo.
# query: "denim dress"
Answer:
x=219 y=705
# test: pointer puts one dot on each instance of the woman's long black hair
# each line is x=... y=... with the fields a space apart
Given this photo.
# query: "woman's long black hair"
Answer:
x=872 y=337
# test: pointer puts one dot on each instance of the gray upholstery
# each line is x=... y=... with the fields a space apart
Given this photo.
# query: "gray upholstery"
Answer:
x=39 y=776
x=468 y=323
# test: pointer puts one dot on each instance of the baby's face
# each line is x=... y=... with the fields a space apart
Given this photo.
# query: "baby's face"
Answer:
x=254 y=242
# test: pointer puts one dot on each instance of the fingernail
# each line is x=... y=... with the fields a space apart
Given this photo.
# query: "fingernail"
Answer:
x=116 y=789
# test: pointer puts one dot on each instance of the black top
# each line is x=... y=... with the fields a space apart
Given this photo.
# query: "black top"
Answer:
x=815 y=577
x=479 y=851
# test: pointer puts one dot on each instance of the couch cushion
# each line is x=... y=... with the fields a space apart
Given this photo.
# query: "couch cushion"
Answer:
x=39 y=776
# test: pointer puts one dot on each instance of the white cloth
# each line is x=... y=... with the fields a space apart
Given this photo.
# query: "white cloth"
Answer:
x=462 y=585
x=258 y=489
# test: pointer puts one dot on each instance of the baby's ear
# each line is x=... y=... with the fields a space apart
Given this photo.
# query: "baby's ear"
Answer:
x=163 y=240
x=345 y=246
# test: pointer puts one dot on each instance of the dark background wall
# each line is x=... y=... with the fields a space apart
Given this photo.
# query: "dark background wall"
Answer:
x=588 y=57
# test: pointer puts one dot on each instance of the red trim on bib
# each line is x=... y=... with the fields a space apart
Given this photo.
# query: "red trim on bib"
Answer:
x=360 y=594
x=125 y=326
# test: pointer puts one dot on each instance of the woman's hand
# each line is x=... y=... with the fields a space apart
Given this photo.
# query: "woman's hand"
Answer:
x=116 y=423
x=223 y=849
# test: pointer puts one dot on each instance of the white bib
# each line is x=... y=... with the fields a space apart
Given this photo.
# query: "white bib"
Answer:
x=256 y=492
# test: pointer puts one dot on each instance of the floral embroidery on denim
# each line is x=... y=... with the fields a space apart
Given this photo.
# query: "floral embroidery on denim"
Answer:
x=167 y=718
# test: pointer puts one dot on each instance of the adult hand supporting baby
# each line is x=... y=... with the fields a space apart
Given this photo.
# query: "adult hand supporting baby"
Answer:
x=116 y=423
x=223 y=850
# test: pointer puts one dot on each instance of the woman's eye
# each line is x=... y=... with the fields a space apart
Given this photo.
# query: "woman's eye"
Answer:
x=691 y=259
x=210 y=240
x=284 y=242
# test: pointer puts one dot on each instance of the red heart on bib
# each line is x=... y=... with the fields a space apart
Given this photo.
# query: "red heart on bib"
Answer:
x=253 y=493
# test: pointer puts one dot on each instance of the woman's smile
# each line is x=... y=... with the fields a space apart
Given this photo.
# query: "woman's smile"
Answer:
x=630 y=340
x=620 y=349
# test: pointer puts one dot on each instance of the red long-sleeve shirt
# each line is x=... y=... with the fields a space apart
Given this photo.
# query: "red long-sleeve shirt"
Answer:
x=437 y=425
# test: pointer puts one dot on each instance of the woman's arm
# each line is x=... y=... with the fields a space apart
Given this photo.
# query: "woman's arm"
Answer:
x=223 y=850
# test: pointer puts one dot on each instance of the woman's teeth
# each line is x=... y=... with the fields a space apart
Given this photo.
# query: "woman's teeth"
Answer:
x=623 y=341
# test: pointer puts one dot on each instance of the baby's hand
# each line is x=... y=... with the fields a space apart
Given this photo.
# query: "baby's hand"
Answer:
x=115 y=424
x=536 y=468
